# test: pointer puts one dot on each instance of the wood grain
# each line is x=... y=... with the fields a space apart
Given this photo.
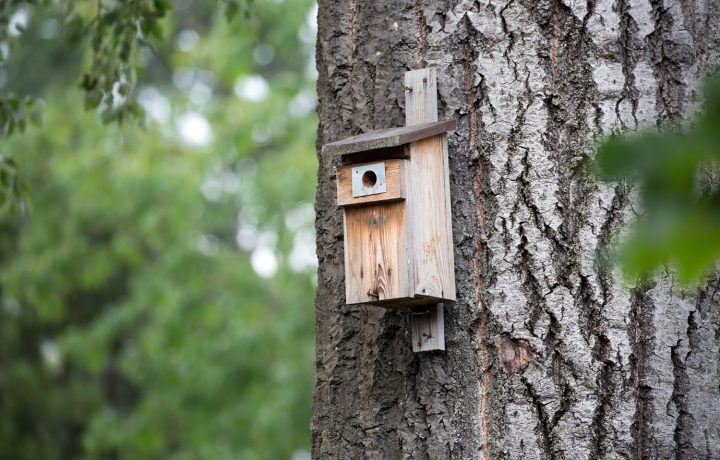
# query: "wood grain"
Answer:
x=377 y=245
x=428 y=329
x=432 y=233
x=386 y=138
x=395 y=178
x=421 y=97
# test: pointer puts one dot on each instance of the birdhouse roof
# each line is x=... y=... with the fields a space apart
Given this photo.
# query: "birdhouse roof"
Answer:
x=385 y=138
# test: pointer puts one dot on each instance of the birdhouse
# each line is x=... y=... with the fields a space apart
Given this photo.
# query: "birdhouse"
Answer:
x=393 y=187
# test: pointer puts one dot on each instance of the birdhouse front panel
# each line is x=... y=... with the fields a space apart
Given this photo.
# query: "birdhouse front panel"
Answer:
x=377 y=247
x=377 y=241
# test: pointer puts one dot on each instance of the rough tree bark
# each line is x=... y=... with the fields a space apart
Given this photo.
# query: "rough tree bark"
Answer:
x=548 y=355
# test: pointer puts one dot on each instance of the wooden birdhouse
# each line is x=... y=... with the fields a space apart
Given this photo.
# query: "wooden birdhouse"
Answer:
x=393 y=187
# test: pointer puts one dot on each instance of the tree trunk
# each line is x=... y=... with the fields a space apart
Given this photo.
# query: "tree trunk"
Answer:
x=548 y=354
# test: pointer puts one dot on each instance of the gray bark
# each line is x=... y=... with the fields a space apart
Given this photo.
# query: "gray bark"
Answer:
x=549 y=355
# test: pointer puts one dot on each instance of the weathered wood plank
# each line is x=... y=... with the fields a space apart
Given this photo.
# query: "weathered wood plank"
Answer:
x=386 y=138
x=432 y=244
x=376 y=253
x=428 y=329
x=421 y=97
x=450 y=252
x=395 y=178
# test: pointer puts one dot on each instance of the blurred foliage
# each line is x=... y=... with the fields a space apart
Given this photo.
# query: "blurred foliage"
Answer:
x=156 y=288
x=109 y=37
x=677 y=176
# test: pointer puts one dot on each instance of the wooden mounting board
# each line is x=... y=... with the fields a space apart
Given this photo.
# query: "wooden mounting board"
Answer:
x=428 y=328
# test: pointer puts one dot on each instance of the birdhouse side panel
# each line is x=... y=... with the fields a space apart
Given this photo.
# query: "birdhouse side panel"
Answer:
x=377 y=266
x=431 y=219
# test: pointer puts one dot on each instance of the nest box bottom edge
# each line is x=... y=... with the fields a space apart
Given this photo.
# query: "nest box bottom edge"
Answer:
x=404 y=302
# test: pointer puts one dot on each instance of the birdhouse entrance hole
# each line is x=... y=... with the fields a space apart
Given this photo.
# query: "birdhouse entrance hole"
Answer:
x=369 y=179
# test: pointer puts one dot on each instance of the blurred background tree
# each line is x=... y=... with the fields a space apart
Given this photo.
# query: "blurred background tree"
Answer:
x=674 y=173
x=156 y=280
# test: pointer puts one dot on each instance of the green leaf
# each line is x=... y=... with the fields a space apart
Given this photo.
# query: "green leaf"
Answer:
x=680 y=222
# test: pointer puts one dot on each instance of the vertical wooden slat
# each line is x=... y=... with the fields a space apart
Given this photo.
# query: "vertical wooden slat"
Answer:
x=450 y=247
x=420 y=97
x=428 y=331
x=432 y=236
